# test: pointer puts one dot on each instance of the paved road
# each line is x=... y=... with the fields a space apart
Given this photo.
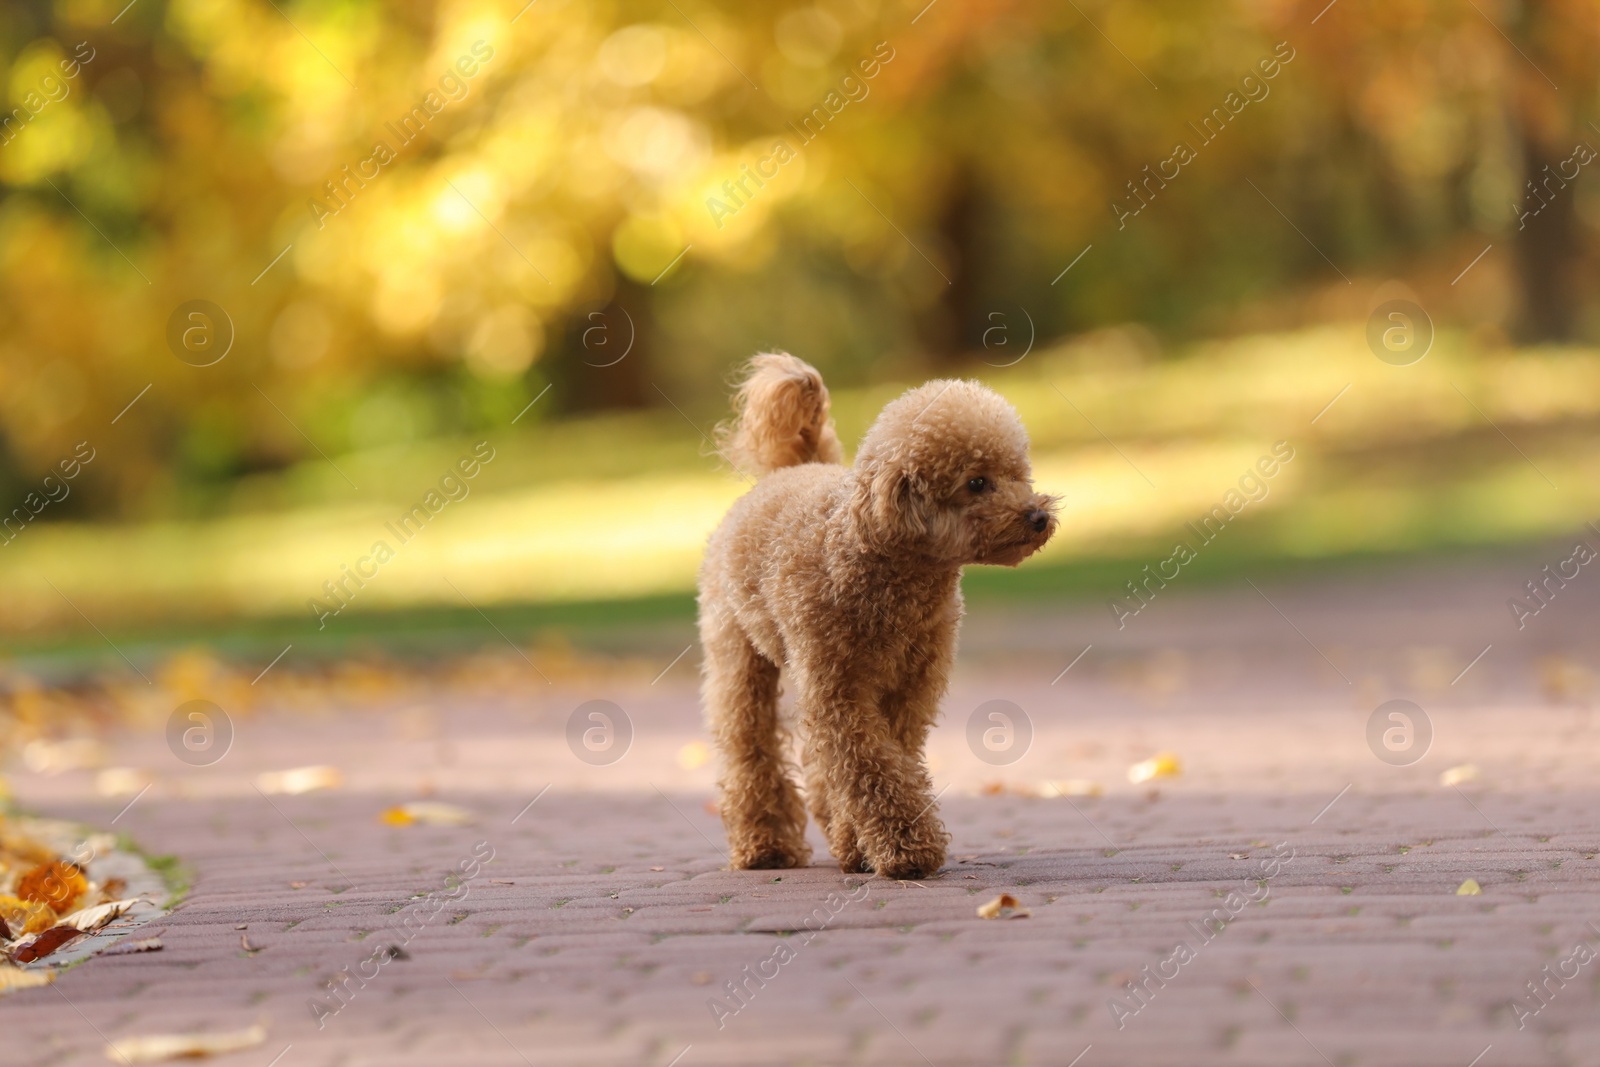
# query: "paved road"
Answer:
x=1310 y=885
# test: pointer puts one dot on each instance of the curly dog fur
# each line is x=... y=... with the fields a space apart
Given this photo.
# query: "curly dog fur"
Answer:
x=848 y=580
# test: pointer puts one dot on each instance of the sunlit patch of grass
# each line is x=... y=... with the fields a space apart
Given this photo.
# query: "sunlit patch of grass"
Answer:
x=1460 y=449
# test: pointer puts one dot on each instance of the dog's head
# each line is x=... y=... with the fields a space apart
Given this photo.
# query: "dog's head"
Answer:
x=943 y=474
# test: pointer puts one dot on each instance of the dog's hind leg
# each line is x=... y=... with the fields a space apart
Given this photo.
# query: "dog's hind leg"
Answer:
x=761 y=808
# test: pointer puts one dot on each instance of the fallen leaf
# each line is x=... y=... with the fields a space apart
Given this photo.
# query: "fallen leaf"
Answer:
x=244 y=943
x=13 y=978
x=156 y=1048
x=5 y=931
x=1466 y=772
x=26 y=916
x=97 y=916
x=1470 y=888
x=121 y=782
x=53 y=757
x=991 y=789
x=112 y=888
x=58 y=884
x=694 y=755
x=1071 y=787
x=123 y=948
x=430 y=812
x=658 y=868
x=1161 y=765
x=41 y=945
x=712 y=809
x=300 y=780
x=298 y=885
x=1004 y=906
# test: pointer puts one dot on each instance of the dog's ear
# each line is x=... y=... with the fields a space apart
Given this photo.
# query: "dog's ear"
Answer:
x=891 y=506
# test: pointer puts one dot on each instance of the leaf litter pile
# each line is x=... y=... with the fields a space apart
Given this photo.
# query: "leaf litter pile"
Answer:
x=49 y=903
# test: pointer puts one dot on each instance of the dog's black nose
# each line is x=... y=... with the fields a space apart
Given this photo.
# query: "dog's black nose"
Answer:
x=1038 y=519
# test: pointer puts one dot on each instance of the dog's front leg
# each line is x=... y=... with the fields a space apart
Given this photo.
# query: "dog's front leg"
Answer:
x=880 y=798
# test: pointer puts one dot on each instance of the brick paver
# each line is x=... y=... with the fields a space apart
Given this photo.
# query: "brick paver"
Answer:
x=604 y=930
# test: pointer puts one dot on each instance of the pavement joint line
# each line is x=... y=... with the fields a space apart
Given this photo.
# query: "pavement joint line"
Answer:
x=530 y=804
x=1290 y=1021
x=686 y=819
x=1331 y=803
x=890 y=1021
x=302 y=833
x=486 y=1019
x=132 y=802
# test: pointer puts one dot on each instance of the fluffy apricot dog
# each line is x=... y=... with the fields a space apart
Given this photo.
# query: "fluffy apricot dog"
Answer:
x=848 y=581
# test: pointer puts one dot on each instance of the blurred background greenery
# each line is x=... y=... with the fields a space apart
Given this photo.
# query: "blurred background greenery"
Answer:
x=435 y=223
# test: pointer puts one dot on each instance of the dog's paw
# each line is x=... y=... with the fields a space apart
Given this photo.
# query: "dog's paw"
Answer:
x=909 y=863
x=770 y=857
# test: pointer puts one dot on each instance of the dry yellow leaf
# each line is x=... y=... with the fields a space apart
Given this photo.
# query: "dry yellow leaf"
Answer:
x=1161 y=765
x=14 y=978
x=26 y=916
x=694 y=755
x=58 y=884
x=97 y=916
x=431 y=812
x=157 y=1048
x=120 y=782
x=1466 y=772
x=1470 y=888
x=1071 y=787
x=1004 y=906
x=300 y=780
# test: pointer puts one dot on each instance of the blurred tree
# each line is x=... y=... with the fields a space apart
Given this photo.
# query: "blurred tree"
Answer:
x=408 y=213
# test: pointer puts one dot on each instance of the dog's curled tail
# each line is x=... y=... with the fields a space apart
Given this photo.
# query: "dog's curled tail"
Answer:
x=780 y=418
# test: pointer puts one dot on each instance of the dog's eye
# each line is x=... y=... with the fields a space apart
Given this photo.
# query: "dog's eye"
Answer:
x=978 y=485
